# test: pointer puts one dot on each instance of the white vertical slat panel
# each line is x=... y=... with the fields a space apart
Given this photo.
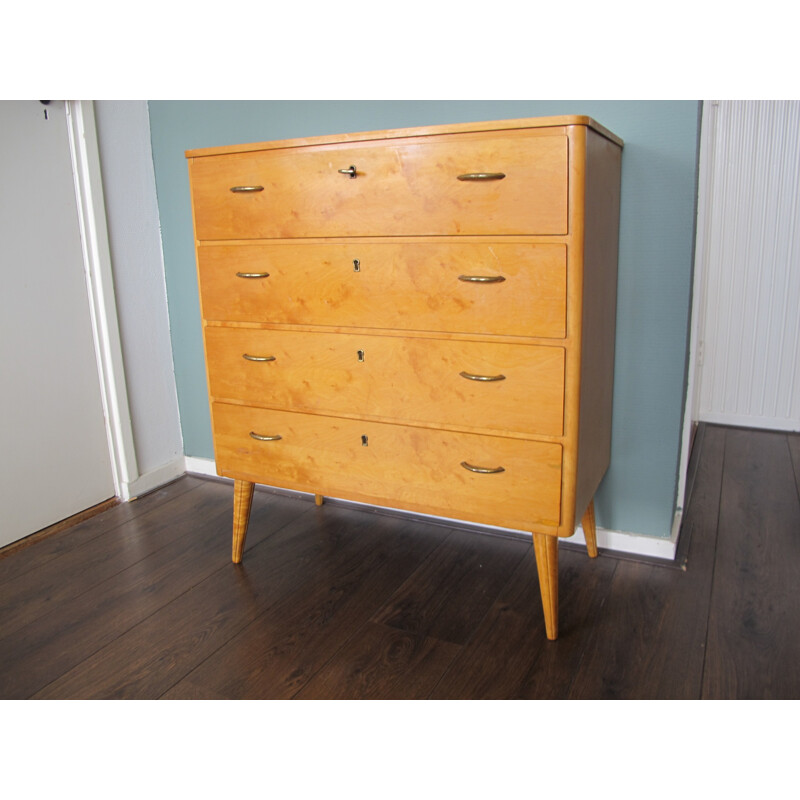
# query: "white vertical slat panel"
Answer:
x=750 y=328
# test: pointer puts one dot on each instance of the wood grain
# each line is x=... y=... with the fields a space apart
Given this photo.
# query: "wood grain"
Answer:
x=403 y=187
x=96 y=552
x=448 y=596
x=650 y=640
x=753 y=604
x=429 y=257
x=401 y=284
x=546 y=549
x=51 y=548
x=399 y=466
x=382 y=662
x=146 y=660
x=359 y=561
x=508 y=655
x=192 y=546
x=242 y=503
x=590 y=530
x=332 y=601
x=391 y=378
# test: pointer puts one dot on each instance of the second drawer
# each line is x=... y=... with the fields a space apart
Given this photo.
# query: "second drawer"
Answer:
x=485 y=386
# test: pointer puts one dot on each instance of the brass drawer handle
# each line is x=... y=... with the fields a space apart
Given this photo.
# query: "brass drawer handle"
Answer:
x=482 y=176
x=481 y=278
x=246 y=189
x=470 y=377
x=252 y=274
x=351 y=171
x=481 y=470
x=254 y=435
x=248 y=357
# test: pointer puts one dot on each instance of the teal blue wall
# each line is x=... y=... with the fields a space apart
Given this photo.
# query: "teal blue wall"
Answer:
x=659 y=168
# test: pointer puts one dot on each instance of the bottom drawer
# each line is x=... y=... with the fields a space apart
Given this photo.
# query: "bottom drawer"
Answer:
x=400 y=466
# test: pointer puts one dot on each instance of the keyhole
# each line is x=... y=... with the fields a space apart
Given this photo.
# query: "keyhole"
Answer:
x=364 y=441
x=360 y=355
x=356 y=265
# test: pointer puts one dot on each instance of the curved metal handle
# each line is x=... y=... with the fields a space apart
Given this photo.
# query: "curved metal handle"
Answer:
x=254 y=435
x=351 y=171
x=248 y=357
x=246 y=189
x=482 y=470
x=252 y=274
x=470 y=377
x=481 y=278
x=482 y=176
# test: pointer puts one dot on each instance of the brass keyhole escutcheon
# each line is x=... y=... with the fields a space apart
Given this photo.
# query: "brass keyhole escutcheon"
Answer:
x=360 y=355
x=364 y=441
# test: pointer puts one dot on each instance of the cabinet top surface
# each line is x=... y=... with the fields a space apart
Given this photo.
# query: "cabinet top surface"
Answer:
x=434 y=130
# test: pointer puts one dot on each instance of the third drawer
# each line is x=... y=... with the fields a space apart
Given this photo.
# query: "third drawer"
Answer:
x=486 y=386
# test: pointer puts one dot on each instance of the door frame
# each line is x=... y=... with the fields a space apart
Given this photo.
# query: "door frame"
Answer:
x=87 y=175
x=695 y=361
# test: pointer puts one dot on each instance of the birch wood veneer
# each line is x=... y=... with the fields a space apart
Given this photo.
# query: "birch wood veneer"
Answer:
x=421 y=319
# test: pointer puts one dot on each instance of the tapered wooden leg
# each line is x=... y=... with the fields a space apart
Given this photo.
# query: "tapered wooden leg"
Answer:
x=242 y=500
x=546 y=549
x=590 y=530
x=319 y=499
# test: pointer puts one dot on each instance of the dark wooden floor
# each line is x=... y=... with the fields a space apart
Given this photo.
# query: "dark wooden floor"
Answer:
x=142 y=601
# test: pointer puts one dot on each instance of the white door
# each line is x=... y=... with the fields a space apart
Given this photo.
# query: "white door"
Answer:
x=748 y=360
x=54 y=450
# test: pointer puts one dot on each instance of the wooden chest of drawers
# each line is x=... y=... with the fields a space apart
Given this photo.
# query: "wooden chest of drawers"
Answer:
x=421 y=319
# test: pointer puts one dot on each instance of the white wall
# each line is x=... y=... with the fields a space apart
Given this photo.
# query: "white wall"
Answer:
x=123 y=131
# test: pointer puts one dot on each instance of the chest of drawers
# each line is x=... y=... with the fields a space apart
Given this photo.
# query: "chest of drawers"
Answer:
x=421 y=319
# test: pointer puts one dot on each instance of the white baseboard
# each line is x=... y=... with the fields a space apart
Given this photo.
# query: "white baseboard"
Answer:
x=616 y=541
x=201 y=466
x=154 y=478
x=632 y=543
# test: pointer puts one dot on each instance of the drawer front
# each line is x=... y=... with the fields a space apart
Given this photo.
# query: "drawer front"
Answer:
x=414 y=468
x=428 y=286
x=486 y=386
x=402 y=187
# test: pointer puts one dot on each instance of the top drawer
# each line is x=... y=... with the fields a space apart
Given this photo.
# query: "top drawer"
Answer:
x=413 y=186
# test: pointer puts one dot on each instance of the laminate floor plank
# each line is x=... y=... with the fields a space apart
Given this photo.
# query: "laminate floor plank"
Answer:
x=404 y=649
x=753 y=649
x=649 y=641
x=451 y=592
x=509 y=656
x=382 y=663
x=37 y=592
x=145 y=661
x=53 y=644
x=40 y=553
x=364 y=558
x=142 y=600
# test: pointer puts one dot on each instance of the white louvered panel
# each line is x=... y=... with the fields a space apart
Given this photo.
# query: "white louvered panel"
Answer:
x=750 y=373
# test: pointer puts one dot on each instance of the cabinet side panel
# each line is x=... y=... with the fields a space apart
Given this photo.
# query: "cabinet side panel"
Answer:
x=601 y=252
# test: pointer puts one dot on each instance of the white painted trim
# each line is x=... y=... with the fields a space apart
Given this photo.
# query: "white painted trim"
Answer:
x=634 y=543
x=617 y=541
x=100 y=285
x=691 y=400
x=157 y=477
x=201 y=466
x=748 y=421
